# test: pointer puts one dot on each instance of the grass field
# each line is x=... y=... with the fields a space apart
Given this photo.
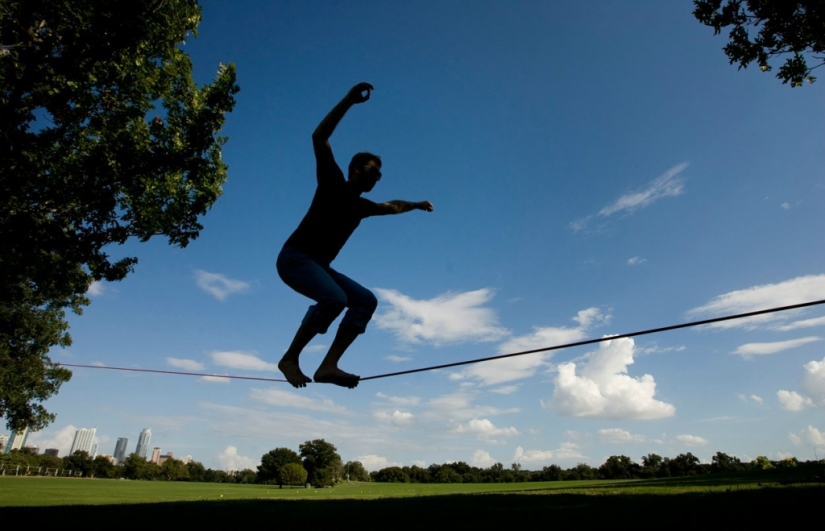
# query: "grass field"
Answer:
x=734 y=498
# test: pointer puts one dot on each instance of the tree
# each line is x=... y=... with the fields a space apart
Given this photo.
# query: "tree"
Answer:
x=619 y=467
x=269 y=471
x=722 y=462
x=761 y=463
x=684 y=465
x=174 y=470
x=355 y=471
x=137 y=467
x=88 y=161
x=293 y=474
x=322 y=462
x=784 y=27
x=197 y=471
x=80 y=462
x=246 y=476
x=103 y=468
x=394 y=474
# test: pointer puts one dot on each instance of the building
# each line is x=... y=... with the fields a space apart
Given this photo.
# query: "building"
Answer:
x=54 y=452
x=162 y=459
x=3 y=440
x=143 y=443
x=17 y=440
x=84 y=441
x=120 y=450
x=34 y=449
x=155 y=455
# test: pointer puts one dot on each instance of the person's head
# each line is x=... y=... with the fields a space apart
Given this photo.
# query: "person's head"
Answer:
x=365 y=170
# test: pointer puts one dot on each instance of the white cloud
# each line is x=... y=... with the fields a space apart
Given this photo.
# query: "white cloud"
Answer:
x=757 y=399
x=794 y=291
x=793 y=401
x=619 y=436
x=485 y=429
x=636 y=260
x=505 y=390
x=229 y=459
x=785 y=206
x=98 y=364
x=758 y=349
x=519 y=367
x=567 y=450
x=692 y=440
x=214 y=379
x=458 y=406
x=397 y=359
x=280 y=398
x=666 y=185
x=374 y=462
x=398 y=418
x=813 y=382
x=243 y=361
x=603 y=389
x=399 y=400
x=189 y=365
x=219 y=286
x=61 y=439
x=810 y=435
x=96 y=288
x=482 y=459
x=448 y=318
x=804 y=323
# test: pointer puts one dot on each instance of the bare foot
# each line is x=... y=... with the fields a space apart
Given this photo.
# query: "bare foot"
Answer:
x=293 y=373
x=336 y=376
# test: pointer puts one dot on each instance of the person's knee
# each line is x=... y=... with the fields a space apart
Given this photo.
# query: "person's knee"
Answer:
x=370 y=302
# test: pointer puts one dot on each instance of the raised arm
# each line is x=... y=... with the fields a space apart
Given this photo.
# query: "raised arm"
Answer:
x=399 y=207
x=320 y=138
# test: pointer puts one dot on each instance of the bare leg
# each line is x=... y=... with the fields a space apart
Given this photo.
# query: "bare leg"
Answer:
x=329 y=372
x=289 y=363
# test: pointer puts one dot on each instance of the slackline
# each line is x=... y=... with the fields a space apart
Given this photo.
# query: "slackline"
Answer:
x=489 y=358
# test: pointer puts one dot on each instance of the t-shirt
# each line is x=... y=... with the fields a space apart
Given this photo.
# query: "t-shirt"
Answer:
x=335 y=212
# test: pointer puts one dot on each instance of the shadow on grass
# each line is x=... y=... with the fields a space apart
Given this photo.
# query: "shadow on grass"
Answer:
x=639 y=510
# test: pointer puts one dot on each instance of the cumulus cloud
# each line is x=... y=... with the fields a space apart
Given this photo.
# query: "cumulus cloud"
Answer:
x=482 y=459
x=459 y=406
x=619 y=436
x=281 y=398
x=506 y=370
x=399 y=400
x=96 y=288
x=219 y=286
x=793 y=291
x=485 y=429
x=813 y=382
x=448 y=318
x=505 y=390
x=374 y=462
x=61 y=439
x=669 y=184
x=757 y=399
x=603 y=389
x=793 y=401
x=760 y=349
x=188 y=365
x=810 y=435
x=636 y=260
x=397 y=418
x=567 y=450
x=692 y=440
x=229 y=459
x=242 y=360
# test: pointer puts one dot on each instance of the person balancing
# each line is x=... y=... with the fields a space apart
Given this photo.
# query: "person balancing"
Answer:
x=304 y=262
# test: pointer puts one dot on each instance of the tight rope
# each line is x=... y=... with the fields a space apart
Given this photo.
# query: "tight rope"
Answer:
x=600 y=340
x=489 y=358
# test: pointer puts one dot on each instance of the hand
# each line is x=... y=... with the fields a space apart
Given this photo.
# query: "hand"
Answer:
x=356 y=93
x=424 y=205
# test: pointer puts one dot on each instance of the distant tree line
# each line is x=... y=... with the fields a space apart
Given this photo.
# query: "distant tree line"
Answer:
x=615 y=467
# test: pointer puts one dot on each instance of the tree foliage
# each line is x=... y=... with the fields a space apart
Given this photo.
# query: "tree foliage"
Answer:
x=293 y=474
x=269 y=471
x=795 y=27
x=322 y=462
x=105 y=137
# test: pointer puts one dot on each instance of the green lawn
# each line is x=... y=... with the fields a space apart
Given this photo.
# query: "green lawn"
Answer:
x=734 y=499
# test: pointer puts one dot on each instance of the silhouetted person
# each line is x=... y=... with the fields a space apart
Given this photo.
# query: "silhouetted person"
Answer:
x=304 y=262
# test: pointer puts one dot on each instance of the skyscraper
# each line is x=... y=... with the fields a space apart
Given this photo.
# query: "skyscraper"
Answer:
x=155 y=455
x=84 y=440
x=120 y=450
x=143 y=442
x=17 y=440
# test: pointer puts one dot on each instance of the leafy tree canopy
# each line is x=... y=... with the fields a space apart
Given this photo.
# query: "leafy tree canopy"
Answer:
x=795 y=27
x=269 y=471
x=105 y=137
x=321 y=461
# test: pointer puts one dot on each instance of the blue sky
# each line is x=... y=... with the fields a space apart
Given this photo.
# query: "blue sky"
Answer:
x=595 y=168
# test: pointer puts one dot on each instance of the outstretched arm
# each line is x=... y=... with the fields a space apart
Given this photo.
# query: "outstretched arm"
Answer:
x=399 y=207
x=320 y=138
